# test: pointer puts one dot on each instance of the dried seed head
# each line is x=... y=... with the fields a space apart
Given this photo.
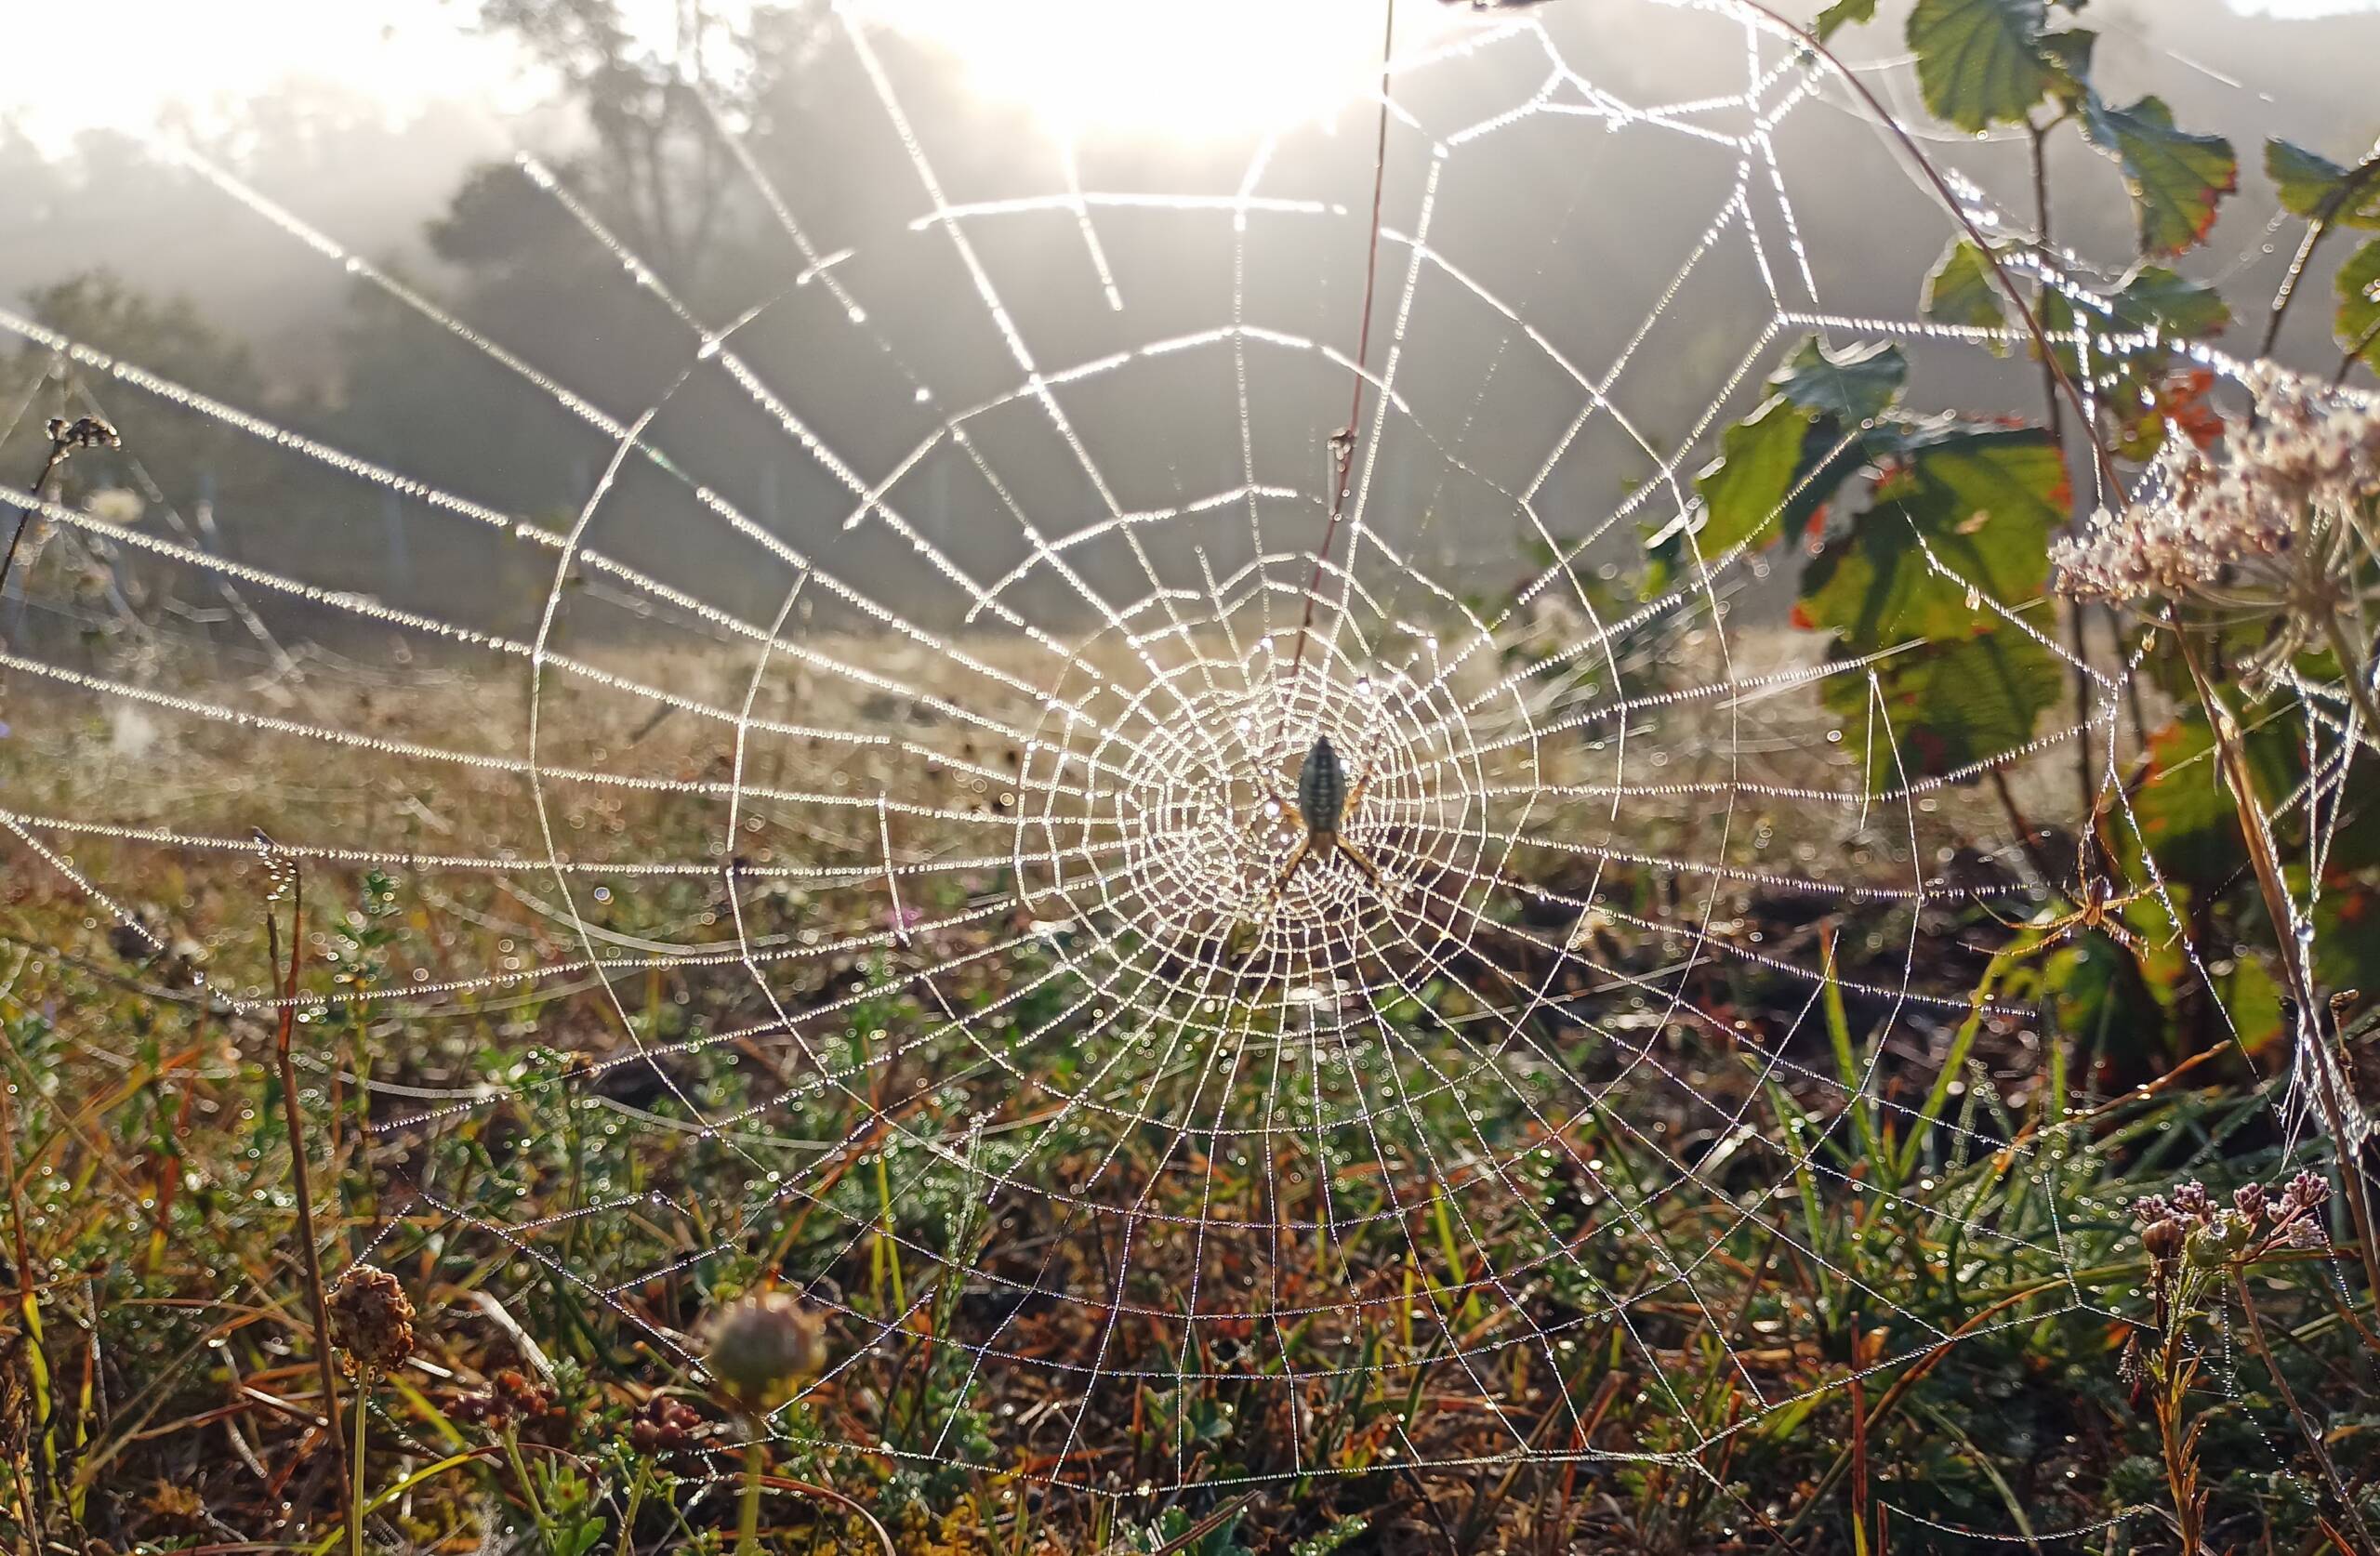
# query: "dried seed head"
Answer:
x=82 y=432
x=662 y=1425
x=371 y=1321
x=763 y=1347
x=2163 y=1240
x=512 y=1396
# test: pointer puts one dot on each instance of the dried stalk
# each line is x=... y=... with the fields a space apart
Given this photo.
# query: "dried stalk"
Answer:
x=295 y=1121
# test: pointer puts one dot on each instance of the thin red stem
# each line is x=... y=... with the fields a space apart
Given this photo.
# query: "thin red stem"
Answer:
x=1343 y=457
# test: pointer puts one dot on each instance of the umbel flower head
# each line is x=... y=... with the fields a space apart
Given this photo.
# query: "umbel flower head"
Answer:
x=371 y=1321
x=2261 y=1220
x=2274 y=523
x=763 y=1347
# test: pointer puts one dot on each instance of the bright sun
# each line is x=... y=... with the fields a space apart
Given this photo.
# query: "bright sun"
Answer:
x=1186 y=69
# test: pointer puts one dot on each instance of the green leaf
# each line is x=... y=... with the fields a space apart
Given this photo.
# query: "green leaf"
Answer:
x=2175 y=178
x=1856 y=384
x=2146 y=386
x=1963 y=291
x=1744 y=488
x=1949 y=705
x=1978 y=60
x=2309 y=184
x=2070 y=54
x=2100 y=999
x=1842 y=13
x=2175 y=304
x=2183 y=810
x=2358 y=286
x=1981 y=503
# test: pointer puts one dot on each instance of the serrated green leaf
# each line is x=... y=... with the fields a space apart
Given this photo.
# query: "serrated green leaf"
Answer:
x=2304 y=180
x=1842 y=13
x=2313 y=185
x=2175 y=304
x=2358 y=315
x=1980 y=60
x=1744 y=488
x=2175 y=178
x=1963 y=291
x=1981 y=503
x=1855 y=383
x=1946 y=705
x=2068 y=54
x=2138 y=389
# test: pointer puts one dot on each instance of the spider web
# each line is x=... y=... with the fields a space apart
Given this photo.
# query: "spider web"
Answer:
x=986 y=812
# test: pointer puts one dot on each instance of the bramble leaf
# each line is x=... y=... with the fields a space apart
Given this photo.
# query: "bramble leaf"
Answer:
x=2146 y=386
x=1981 y=503
x=2171 y=301
x=1840 y=14
x=1744 y=488
x=1947 y=704
x=2175 y=178
x=1858 y=383
x=2313 y=185
x=2358 y=316
x=2070 y=54
x=1978 y=60
x=1963 y=291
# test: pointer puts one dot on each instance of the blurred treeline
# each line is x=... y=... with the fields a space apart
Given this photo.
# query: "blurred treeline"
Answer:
x=647 y=157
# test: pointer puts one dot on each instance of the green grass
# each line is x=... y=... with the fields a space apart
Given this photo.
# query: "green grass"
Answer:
x=1894 y=1304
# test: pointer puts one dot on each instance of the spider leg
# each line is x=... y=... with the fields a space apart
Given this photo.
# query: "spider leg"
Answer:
x=1281 y=881
x=2122 y=934
x=1363 y=780
x=1996 y=916
x=1272 y=902
x=1363 y=862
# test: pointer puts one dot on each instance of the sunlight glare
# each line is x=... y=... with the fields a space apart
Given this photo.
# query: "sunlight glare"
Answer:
x=1184 y=69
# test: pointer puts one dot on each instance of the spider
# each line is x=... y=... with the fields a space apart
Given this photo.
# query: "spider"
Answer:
x=2098 y=905
x=1324 y=799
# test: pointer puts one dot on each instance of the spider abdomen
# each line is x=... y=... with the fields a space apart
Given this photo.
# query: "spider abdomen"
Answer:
x=1322 y=789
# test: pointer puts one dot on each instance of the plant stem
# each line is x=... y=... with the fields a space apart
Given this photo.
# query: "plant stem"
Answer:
x=2316 y=226
x=747 y=1526
x=2306 y=1428
x=25 y=515
x=2297 y=977
x=2175 y=1442
x=2076 y=613
x=355 y=1503
x=2351 y=670
x=528 y=1487
x=627 y=1517
x=28 y=1288
x=295 y=1121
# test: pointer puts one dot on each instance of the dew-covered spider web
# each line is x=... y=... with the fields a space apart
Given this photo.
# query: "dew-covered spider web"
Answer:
x=890 y=828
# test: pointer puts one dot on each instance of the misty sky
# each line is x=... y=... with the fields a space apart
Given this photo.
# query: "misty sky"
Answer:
x=366 y=117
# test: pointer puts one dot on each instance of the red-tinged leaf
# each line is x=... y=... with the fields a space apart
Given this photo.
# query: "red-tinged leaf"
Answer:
x=2176 y=177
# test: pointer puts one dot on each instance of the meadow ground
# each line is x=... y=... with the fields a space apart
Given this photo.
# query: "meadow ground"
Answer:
x=1854 y=1276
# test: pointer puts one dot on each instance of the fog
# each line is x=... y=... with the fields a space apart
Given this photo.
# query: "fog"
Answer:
x=1617 y=246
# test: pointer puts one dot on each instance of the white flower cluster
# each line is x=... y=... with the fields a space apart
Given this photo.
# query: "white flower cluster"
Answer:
x=2238 y=532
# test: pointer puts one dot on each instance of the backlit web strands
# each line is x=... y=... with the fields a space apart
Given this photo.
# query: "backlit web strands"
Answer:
x=980 y=777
